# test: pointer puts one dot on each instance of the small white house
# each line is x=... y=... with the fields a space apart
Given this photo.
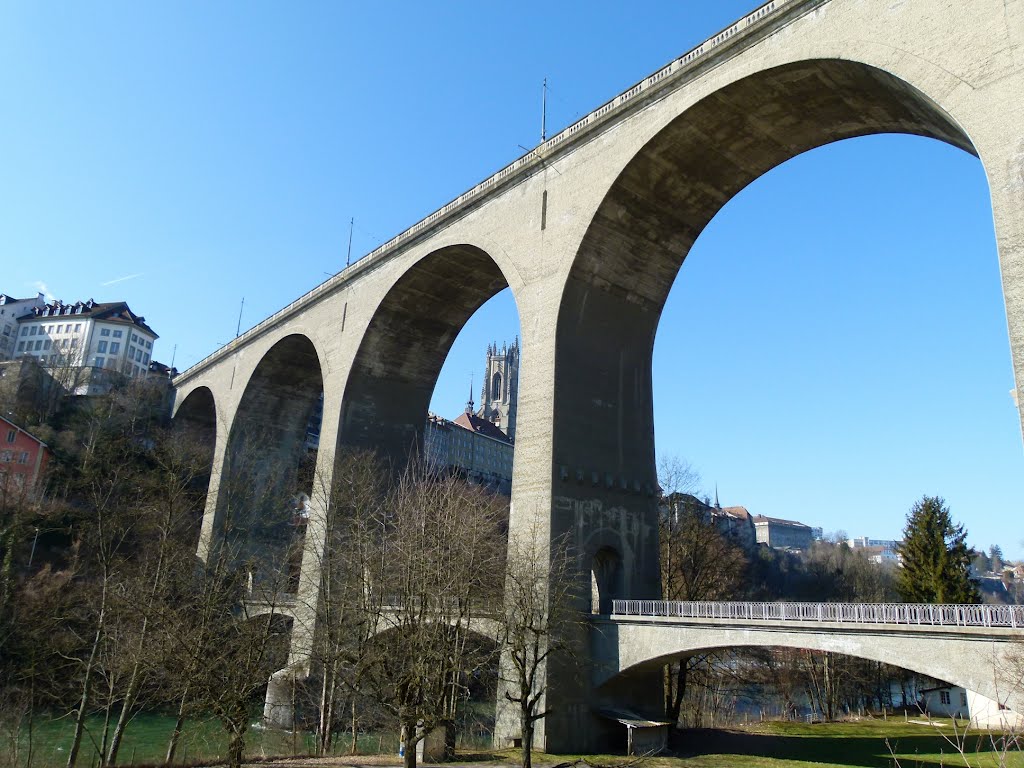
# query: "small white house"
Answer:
x=980 y=711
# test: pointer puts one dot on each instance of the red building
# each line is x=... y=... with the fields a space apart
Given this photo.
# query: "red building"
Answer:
x=23 y=458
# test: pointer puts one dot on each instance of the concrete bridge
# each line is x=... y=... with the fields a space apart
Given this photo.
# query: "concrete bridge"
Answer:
x=588 y=231
x=977 y=647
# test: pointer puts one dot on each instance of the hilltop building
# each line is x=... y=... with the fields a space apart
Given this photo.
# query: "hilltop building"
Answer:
x=83 y=343
x=877 y=550
x=782 y=534
x=12 y=310
x=734 y=522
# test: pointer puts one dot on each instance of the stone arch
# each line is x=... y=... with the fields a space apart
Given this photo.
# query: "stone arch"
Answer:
x=267 y=464
x=643 y=229
x=406 y=343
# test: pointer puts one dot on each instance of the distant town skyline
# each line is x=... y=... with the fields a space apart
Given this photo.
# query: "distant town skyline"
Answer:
x=835 y=344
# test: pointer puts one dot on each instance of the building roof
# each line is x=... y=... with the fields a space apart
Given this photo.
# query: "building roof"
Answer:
x=474 y=423
x=738 y=512
x=23 y=431
x=110 y=310
x=5 y=299
x=778 y=521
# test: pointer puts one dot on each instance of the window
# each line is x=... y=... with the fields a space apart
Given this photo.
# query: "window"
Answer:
x=24 y=330
x=149 y=345
x=12 y=435
x=145 y=359
x=6 y=457
x=100 y=362
x=134 y=337
x=117 y=334
x=102 y=347
x=963 y=698
x=23 y=459
x=60 y=328
x=944 y=697
x=104 y=332
x=34 y=331
x=78 y=327
x=115 y=346
x=39 y=344
x=46 y=344
x=21 y=346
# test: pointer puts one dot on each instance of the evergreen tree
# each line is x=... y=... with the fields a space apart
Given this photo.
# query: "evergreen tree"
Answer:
x=995 y=556
x=935 y=557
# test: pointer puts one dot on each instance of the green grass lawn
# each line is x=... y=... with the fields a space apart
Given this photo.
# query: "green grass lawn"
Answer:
x=867 y=743
x=145 y=741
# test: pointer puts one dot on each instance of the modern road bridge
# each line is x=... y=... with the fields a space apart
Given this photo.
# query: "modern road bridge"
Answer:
x=977 y=647
x=588 y=231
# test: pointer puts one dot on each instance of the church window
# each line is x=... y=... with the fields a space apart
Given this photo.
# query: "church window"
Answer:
x=496 y=387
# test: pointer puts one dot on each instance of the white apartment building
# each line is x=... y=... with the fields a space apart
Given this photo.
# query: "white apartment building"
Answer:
x=11 y=310
x=99 y=336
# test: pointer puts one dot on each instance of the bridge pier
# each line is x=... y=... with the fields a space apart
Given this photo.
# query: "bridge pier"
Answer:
x=279 y=705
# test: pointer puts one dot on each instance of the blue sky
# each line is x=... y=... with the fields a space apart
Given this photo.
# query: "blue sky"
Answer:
x=835 y=344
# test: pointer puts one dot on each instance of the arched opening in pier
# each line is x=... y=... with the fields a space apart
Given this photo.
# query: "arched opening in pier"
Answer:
x=649 y=222
x=269 y=488
x=420 y=385
x=189 y=451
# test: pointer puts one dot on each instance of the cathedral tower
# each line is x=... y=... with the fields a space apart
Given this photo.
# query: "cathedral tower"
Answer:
x=500 y=388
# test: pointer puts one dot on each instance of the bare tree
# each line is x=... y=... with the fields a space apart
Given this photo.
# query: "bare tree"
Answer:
x=698 y=562
x=442 y=542
x=538 y=623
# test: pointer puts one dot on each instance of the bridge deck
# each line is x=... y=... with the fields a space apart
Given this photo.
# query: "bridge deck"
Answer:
x=909 y=614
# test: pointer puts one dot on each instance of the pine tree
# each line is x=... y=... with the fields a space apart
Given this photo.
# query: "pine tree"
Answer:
x=935 y=557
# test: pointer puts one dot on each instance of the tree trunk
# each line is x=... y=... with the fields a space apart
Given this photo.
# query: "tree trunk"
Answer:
x=409 y=754
x=527 y=742
x=235 y=749
x=76 y=741
x=172 y=745
x=679 y=692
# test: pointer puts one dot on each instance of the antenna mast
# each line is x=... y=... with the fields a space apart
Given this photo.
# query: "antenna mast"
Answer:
x=238 y=328
x=544 y=112
x=351 y=226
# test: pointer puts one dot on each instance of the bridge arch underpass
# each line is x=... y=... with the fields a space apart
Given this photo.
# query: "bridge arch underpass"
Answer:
x=958 y=659
x=621 y=275
x=405 y=345
x=268 y=466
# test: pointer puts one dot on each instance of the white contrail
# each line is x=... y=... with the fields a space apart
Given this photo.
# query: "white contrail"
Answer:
x=122 y=279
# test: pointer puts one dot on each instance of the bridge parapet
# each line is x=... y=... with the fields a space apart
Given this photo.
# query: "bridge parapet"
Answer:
x=940 y=615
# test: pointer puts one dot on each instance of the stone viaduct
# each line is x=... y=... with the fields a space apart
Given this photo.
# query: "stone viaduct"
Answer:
x=588 y=230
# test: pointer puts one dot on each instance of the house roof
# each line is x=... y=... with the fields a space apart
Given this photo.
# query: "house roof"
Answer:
x=110 y=310
x=738 y=512
x=474 y=423
x=23 y=431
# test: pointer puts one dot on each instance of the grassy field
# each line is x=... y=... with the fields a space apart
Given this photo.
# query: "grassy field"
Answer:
x=867 y=743
x=145 y=742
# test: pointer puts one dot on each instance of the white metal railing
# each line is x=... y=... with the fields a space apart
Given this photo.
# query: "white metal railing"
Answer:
x=847 y=613
x=686 y=61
